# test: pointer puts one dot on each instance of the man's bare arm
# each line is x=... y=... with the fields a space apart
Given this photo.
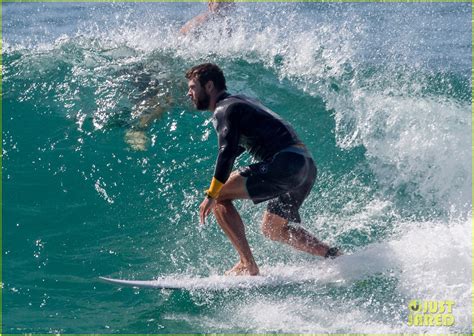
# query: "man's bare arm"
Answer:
x=194 y=23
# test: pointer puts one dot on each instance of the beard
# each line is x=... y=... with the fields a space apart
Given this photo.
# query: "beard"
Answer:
x=202 y=102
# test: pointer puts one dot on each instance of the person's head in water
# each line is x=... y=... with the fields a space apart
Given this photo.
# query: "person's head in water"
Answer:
x=204 y=79
x=215 y=6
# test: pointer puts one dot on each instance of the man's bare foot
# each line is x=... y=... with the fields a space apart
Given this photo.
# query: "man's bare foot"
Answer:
x=241 y=269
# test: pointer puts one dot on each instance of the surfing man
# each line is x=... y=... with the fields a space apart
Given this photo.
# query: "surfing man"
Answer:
x=283 y=176
x=216 y=9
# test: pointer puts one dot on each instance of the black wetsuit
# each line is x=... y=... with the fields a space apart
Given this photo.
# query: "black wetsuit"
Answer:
x=285 y=171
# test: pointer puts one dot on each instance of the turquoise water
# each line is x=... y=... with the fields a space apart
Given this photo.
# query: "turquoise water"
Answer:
x=380 y=93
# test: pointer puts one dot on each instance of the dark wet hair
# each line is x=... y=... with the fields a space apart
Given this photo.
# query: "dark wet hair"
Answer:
x=207 y=72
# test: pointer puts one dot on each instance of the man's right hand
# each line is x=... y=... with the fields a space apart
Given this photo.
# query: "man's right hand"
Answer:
x=205 y=209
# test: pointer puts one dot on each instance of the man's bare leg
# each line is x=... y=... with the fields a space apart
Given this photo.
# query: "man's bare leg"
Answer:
x=277 y=228
x=231 y=223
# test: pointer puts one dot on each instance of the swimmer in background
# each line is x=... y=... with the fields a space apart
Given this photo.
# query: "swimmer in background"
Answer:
x=149 y=111
x=152 y=104
x=216 y=9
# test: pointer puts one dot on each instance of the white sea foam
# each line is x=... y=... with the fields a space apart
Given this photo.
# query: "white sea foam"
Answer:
x=430 y=262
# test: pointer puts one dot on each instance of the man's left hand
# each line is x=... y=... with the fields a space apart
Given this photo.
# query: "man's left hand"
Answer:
x=205 y=208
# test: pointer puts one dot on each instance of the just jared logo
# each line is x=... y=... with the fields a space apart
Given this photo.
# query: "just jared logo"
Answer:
x=431 y=313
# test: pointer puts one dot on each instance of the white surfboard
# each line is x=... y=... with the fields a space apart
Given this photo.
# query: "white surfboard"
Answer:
x=216 y=282
x=376 y=259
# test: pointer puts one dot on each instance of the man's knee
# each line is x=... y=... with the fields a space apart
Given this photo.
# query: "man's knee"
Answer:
x=234 y=188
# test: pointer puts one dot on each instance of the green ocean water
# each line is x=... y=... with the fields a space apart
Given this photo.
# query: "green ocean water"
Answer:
x=386 y=118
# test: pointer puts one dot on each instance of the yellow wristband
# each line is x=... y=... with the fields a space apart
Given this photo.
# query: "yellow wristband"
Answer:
x=215 y=188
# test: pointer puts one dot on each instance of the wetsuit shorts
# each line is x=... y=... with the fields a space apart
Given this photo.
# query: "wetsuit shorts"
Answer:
x=286 y=180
